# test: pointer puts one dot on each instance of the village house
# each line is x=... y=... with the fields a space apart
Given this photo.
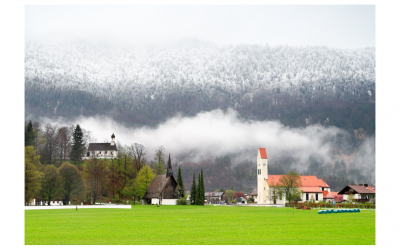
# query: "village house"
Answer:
x=330 y=197
x=312 y=188
x=103 y=150
x=163 y=189
x=214 y=197
x=253 y=195
x=361 y=193
x=241 y=200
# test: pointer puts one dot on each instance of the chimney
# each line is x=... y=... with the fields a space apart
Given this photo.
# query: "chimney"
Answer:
x=365 y=185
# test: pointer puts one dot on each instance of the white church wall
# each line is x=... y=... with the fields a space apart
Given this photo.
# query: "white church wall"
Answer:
x=262 y=176
x=169 y=201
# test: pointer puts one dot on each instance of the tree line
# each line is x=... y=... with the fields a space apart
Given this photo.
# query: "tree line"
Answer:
x=54 y=167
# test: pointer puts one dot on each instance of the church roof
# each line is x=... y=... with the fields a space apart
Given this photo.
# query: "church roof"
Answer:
x=311 y=190
x=157 y=185
x=101 y=147
x=263 y=153
x=306 y=181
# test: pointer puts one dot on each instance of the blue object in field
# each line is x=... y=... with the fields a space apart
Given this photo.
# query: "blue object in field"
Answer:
x=332 y=210
x=321 y=212
x=358 y=210
x=335 y=211
x=326 y=211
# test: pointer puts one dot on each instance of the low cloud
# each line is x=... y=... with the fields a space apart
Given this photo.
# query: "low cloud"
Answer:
x=217 y=133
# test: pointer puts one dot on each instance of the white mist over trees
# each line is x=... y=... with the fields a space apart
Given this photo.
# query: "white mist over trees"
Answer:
x=222 y=142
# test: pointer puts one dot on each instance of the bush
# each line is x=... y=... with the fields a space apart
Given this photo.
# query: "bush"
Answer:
x=234 y=201
x=249 y=201
x=181 y=201
x=116 y=198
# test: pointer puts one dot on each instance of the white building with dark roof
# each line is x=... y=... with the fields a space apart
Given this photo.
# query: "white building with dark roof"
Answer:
x=103 y=150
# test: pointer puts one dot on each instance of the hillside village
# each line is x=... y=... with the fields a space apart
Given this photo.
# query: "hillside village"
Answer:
x=102 y=173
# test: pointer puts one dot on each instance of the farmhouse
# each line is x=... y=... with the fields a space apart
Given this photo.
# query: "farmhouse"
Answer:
x=103 y=150
x=214 y=197
x=361 y=192
x=312 y=188
x=163 y=189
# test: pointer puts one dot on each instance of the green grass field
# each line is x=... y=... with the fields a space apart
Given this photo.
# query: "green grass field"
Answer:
x=209 y=225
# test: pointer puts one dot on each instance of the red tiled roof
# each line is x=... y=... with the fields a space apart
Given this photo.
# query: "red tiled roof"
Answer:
x=306 y=180
x=330 y=195
x=359 y=189
x=263 y=153
x=338 y=198
x=334 y=194
x=311 y=190
x=372 y=188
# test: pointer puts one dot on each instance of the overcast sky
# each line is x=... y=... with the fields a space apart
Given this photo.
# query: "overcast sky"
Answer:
x=342 y=26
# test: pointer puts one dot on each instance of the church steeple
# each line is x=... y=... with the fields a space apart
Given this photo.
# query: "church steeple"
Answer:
x=169 y=168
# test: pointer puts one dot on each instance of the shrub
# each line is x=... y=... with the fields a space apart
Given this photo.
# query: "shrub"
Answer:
x=116 y=198
x=181 y=201
x=234 y=201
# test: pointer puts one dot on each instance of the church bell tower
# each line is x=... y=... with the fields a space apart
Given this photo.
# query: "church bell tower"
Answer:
x=112 y=139
x=262 y=176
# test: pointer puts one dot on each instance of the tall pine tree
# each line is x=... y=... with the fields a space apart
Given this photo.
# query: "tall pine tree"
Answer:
x=29 y=135
x=77 y=146
x=193 y=191
x=180 y=181
x=198 y=191
x=202 y=190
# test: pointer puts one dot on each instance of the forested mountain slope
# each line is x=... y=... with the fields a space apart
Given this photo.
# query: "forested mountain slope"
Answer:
x=296 y=85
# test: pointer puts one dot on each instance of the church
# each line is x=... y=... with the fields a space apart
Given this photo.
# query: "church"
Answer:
x=312 y=188
x=103 y=150
x=164 y=189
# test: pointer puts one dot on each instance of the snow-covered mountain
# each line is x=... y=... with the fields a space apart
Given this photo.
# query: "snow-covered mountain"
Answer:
x=193 y=76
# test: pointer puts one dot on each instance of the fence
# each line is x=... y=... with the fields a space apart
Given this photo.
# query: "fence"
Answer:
x=330 y=205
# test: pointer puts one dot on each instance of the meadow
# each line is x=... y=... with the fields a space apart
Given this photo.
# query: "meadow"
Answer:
x=197 y=225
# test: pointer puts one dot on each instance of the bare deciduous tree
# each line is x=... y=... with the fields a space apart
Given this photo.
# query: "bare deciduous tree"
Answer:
x=64 y=140
x=50 y=133
x=138 y=153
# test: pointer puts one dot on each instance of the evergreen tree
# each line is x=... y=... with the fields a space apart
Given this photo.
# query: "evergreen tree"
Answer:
x=198 y=192
x=77 y=146
x=193 y=191
x=232 y=188
x=180 y=181
x=29 y=135
x=202 y=190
